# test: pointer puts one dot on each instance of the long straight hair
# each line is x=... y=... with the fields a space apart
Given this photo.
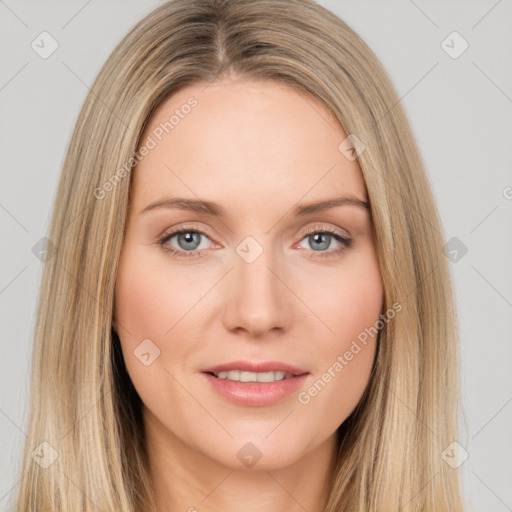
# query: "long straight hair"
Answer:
x=83 y=404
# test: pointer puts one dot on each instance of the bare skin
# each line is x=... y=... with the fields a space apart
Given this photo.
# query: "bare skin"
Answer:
x=259 y=149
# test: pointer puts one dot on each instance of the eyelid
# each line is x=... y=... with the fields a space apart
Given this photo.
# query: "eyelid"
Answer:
x=319 y=226
x=322 y=226
x=184 y=227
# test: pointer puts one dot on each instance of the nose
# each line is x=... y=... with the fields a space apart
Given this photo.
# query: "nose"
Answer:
x=258 y=299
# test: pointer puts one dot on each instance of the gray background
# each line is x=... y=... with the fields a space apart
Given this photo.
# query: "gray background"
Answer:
x=461 y=113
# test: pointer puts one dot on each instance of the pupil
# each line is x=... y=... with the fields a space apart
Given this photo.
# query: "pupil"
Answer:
x=188 y=238
x=317 y=238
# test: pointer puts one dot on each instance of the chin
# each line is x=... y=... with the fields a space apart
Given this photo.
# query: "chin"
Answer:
x=255 y=453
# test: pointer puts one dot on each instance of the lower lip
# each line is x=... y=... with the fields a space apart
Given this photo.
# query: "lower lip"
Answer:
x=255 y=394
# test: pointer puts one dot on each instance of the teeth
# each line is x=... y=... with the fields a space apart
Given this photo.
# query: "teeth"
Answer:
x=242 y=376
x=266 y=377
x=248 y=377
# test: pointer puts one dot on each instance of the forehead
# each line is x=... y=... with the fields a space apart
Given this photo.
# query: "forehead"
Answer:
x=249 y=141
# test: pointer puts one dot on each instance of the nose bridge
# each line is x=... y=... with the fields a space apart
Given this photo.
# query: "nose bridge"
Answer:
x=257 y=300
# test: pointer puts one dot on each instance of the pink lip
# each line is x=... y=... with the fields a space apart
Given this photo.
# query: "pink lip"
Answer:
x=255 y=394
x=269 y=366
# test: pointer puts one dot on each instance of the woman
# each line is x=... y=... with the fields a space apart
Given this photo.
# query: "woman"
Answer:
x=248 y=306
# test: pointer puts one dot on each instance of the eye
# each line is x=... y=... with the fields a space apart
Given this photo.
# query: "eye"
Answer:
x=188 y=240
x=321 y=239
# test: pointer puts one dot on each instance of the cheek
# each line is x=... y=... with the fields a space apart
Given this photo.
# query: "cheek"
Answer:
x=144 y=313
x=346 y=299
x=153 y=304
x=360 y=299
x=146 y=303
x=350 y=305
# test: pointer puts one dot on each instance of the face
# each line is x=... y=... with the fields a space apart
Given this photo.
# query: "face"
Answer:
x=250 y=287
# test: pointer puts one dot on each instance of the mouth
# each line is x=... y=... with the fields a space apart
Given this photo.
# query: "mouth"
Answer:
x=245 y=371
x=255 y=384
x=243 y=376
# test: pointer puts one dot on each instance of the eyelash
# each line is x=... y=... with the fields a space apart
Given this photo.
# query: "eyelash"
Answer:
x=346 y=242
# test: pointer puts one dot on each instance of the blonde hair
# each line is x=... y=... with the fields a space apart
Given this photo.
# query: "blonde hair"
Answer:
x=83 y=403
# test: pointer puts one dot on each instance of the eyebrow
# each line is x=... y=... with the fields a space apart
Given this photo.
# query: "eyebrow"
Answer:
x=214 y=209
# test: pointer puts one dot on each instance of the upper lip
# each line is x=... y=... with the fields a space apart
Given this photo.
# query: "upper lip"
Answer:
x=246 y=366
